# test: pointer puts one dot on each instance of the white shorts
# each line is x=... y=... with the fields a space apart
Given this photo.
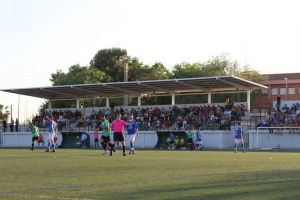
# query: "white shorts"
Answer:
x=51 y=136
x=238 y=140
x=132 y=138
x=198 y=142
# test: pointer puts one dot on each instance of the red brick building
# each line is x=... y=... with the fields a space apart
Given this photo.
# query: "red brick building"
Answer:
x=283 y=89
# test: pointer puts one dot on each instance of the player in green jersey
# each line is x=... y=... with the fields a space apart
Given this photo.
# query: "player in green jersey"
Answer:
x=35 y=135
x=105 y=138
x=190 y=136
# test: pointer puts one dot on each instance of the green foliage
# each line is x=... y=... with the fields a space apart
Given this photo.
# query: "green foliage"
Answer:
x=253 y=75
x=221 y=66
x=217 y=66
x=155 y=72
x=109 y=61
x=4 y=113
x=187 y=70
x=79 y=75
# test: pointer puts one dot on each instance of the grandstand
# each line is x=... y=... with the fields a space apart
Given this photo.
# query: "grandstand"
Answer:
x=216 y=117
x=209 y=86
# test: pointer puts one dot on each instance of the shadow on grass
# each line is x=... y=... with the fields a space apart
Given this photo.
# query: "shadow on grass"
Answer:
x=276 y=185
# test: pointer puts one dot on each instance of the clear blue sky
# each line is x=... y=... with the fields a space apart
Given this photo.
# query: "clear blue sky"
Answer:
x=38 y=37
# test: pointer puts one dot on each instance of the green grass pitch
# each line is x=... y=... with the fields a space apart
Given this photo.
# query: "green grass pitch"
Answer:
x=87 y=174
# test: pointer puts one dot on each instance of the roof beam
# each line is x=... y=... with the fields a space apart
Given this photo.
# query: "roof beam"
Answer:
x=233 y=84
x=59 y=92
x=192 y=86
x=88 y=90
x=122 y=90
x=156 y=88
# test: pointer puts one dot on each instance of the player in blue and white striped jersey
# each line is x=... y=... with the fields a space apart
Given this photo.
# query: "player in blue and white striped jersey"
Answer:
x=52 y=126
x=238 y=137
x=132 y=131
x=198 y=141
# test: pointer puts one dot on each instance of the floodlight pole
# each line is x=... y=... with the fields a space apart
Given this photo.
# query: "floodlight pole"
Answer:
x=126 y=60
x=286 y=89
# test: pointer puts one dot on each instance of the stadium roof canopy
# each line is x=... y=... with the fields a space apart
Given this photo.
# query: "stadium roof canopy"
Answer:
x=137 y=88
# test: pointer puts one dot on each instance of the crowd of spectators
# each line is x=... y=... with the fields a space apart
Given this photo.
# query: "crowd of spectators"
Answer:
x=284 y=117
x=152 y=118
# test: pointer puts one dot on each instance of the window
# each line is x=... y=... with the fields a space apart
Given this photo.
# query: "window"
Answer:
x=264 y=91
x=282 y=91
x=291 y=91
x=275 y=91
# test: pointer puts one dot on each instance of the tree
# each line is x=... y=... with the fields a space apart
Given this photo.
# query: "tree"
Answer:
x=252 y=75
x=79 y=75
x=255 y=76
x=109 y=62
x=155 y=72
x=217 y=66
x=221 y=66
x=76 y=75
x=3 y=113
x=187 y=70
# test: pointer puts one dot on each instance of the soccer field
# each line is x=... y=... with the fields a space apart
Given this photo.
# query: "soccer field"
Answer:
x=87 y=174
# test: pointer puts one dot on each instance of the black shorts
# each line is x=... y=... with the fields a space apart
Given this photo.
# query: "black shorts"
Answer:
x=105 y=139
x=41 y=141
x=96 y=140
x=34 y=138
x=190 y=140
x=118 y=136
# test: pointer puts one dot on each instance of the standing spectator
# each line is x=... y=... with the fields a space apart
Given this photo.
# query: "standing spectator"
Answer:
x=11 y=125
x=118 y=126
x=84 y=140
x=96 y=138
x=4 y=125
x=17 y=125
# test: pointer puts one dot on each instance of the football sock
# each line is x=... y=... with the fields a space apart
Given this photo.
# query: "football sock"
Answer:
x=123 y=148
x=103 y=145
